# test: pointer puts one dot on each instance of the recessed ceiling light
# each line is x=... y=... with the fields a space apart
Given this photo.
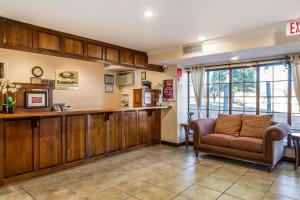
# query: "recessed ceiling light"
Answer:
x=148 y=13
x=234 y=58
x=201 y=38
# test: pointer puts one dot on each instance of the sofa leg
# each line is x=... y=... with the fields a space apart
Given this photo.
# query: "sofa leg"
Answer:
x=270 y=169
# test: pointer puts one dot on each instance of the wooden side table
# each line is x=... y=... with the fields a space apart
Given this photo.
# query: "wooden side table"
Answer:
x=186 y=131
x=296 y=139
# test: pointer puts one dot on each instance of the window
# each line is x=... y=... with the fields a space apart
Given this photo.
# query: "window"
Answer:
x=260 y=89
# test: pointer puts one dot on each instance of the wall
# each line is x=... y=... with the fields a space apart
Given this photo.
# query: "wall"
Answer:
x=91 y=92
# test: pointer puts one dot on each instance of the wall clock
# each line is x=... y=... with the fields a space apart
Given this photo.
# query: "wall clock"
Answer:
x=37 y=71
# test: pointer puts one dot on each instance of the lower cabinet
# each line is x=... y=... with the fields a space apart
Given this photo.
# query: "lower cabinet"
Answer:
x=75 y=137
x=96 y=134
x=143 y=127
x=114 y=132
x=129 y=129
x=155 y=126
x=18 y=147
x=50 y=142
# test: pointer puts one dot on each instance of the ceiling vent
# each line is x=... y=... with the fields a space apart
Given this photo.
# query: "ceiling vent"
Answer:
x=192 y=48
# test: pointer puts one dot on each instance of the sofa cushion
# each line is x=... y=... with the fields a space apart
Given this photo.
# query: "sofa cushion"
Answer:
x=246 y=144
x=217 y=139
x=255 y=125
x=228 y=124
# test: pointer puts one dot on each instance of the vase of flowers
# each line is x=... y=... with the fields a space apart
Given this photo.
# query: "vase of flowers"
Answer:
x=7 y=88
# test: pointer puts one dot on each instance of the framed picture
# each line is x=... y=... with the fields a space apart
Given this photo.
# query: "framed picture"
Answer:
x=109 y=88
x=49 y=82
x=66 y=80
x=108 y=79
x=3 y=69
x=36 y=99
x=35 y=80
x=143 y=76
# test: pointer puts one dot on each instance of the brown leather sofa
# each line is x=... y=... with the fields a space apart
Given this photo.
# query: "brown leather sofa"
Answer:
x=267 y=150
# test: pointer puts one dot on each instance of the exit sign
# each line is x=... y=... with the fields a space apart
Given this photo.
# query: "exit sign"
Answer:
x=293 y=28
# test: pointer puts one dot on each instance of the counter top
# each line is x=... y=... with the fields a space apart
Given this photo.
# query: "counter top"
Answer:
x=76 y=111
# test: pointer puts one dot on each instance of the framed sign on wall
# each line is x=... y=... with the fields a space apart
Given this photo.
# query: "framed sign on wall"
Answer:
x=66 y=80
x=169 y=90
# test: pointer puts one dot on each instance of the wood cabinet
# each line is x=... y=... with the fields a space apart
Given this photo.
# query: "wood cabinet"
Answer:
x=140 y=60
x=17 y=36
x=127 y=57
x=18 y=148
x=94 y=51
x=129 y=129
x=155 y=125
x=73 y=46
x=48 y=41
x=50 y=142
x=112 y=54
x=145 y=97
x=96 y=134
x=75 y=137
x=114 y=133
x=143 y=127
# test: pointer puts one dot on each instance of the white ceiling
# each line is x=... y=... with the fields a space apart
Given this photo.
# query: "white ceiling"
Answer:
x=177 y=22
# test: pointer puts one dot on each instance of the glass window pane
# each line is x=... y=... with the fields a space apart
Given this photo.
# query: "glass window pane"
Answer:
x=265 y=104
x=213 y=114
x=214 y=103
x=280 y=73
x=281 y=88
x=237 y=112
x=238 y=75
x=249 y=113
x=296 y=121
x=250 y=104
x=224 y=90
x=250 y=74
x=214 y=77
x=238 y=103
x=224 y=104
x=224 y=76
x=295 y=105
x=214 y=90
x=266 y=89
x=250 y=89
x=280 y=104
x=266 y=73
x=280 y=117
x=237 y=89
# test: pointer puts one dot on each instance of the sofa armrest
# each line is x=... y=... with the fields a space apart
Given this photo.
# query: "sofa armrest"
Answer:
x=201 y=127
x=274 y=133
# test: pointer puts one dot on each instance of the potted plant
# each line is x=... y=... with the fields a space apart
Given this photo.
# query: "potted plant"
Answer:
x=8 y=88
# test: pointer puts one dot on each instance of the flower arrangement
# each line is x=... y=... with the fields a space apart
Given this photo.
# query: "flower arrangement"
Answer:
x=8 y=88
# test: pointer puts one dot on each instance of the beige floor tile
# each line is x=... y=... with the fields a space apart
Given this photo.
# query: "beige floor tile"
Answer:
x=63 y=194
x=132 y=198
x=132 y=186
x=288 y=180
x=261 y=174
x=150 y=177
x=245 y=192
x=226 y=175
x=204 y=169
x=174 y=185
x=215 y=184
x=228 y=197
x=197 y=192
x=270 y=196
x=167 y=169
x=16 y=195
x=290 y=172
x=9 y=189
x=210 y=163
x=190 y=176
x=285 y=190
x=181 y=198
x=156 y=193
x=256 y=183
x=108 y=194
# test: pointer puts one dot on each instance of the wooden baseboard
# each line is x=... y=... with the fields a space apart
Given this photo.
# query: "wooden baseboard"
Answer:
x=173 y=144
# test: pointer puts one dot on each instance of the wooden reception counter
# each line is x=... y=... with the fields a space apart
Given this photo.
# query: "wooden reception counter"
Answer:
x=37 y=143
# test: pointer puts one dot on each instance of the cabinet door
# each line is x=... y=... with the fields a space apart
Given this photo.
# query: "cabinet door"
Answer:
x=50 y=142
x=17 y=36
x=19 y=152
x=155 y=126
x=112 y=54
x=114 y=132
x=94 y=51
x=48 y=41
x=127 y=57
x=73 y=46
x=140 y=60
x=129 y=129
x=143 y=128
x=75 y=137
x=96 y=134
x=137 y=98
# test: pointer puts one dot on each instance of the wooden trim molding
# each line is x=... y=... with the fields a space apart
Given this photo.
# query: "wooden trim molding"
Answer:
x=30 y=38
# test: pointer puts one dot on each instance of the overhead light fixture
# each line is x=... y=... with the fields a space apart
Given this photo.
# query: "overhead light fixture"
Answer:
x=234 y=58
x=148 y=13
x=201 y=38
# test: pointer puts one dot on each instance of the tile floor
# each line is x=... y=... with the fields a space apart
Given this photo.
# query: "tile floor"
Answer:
x=162 y=173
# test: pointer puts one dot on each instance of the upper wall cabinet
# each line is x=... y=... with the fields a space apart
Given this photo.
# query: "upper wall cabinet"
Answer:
x=17 y=36
x=94 y=51
x=140 y=60
x=73 y=46
x=127 y=57
x=48 y=41
x=26 y=37
x=112 y=54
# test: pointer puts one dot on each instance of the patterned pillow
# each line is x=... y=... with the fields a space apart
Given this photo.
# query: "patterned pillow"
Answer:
x=228 y=124
x=255 y=125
